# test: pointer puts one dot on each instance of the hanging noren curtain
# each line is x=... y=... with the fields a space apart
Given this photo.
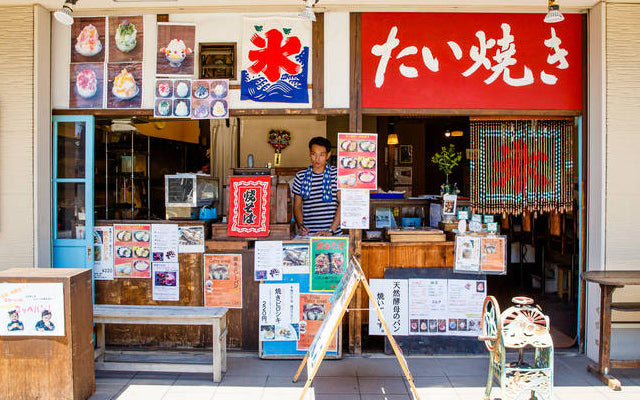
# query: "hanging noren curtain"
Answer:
x=521 y=166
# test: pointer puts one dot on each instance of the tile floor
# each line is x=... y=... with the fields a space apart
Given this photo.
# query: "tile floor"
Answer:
x=367 y=377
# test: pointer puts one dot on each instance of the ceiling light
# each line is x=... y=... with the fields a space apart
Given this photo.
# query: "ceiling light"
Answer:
x=63 y=15
x=392 y=138
x=554 y=14
x=307 y=13
x=447 y=133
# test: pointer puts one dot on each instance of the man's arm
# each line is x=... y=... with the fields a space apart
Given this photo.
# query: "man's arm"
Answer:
x=336 y=218
x=297 y=214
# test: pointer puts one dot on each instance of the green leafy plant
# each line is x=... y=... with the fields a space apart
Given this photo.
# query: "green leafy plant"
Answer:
x=446 y=160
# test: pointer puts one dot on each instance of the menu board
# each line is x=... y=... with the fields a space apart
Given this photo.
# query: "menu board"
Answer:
x=313 y=310
x=451 y=307
x=354 y=209
x=132 y=251
x=267 y=263
x=209 y=98
x=467 y=254
x=166 y=281
x=493 y=255
x=357 y=161
x=392 y=296
x=223 y=280
x=172 y=98
x=329 y=256
x=164 y=243
x=103 y=253
x=279 y=311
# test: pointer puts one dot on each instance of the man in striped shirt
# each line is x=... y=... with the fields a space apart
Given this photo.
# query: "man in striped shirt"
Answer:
x=316 y=203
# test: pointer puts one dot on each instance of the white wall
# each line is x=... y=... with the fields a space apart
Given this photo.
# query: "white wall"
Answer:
x=219 y=27
x=42 y=137
x=596 y=171
x=16 y=138
x=253 y=139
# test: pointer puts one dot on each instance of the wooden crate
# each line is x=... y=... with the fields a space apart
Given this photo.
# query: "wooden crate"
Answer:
x=52 y=367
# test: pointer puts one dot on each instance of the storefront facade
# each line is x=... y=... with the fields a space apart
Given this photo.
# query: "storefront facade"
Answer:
x=25 y=149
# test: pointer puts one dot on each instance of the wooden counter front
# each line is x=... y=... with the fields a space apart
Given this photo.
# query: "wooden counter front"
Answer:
x=376 y=256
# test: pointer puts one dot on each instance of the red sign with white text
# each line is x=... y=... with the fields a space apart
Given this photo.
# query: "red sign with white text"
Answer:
x=473 y=61
x=249 y=204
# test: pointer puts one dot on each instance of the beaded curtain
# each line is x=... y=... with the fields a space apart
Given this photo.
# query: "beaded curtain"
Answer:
x=521 y=165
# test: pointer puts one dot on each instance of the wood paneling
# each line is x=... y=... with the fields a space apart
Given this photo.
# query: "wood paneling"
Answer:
x=55 y=367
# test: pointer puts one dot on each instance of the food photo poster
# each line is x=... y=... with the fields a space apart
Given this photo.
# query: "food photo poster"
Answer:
x=124 y=85
x=103 y=253
x=357 y=161
x=88 y=39
x=172 y=98
x=86 y=89
x=175 y=52
x=329 y=256
x=126 y=38
x=209 y=98
x=223 y=280
x=166 y=281
x=133 y=251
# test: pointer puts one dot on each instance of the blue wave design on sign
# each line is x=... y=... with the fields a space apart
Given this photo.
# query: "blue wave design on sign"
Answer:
x=288 y=89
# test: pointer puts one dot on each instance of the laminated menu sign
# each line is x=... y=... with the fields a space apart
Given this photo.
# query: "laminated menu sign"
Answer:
x=493 y=255
x=172 y=98
x=357 y=161
x=223 y=280
x=268 y=261
x=295 y=258
x=191 y=239
x=464 y=306
x=313 y=309
x=32 y=309
x=103 y=253
x=329 y=256
x=166 y=281
x=451 y=307
x=428 y=306
x=279 y=311
x=392 y=296
x=164 y=242
x=249 y=199
x=354 y=209
x=132 y=251
x=467 y=253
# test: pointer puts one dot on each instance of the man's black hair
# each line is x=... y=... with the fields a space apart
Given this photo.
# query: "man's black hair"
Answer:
x=320 y=141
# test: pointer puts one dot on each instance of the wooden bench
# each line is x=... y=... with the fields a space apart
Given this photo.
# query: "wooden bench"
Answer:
x=163 y=315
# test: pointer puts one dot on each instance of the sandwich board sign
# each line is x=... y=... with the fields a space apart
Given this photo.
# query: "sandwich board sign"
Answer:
x=339 y=302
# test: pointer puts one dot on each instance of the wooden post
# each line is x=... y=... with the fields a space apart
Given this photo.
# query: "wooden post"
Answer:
x=355 y=126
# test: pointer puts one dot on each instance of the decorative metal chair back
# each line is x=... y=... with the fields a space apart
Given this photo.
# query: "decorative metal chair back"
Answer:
x=518 y=327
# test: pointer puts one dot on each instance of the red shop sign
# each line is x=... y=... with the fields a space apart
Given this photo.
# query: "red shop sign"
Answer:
x=249 y=206
x=474 y=61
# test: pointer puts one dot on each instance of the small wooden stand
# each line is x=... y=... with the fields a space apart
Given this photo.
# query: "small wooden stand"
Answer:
x=341 y=298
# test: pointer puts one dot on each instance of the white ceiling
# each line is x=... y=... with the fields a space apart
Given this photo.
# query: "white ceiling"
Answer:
x=176 y=6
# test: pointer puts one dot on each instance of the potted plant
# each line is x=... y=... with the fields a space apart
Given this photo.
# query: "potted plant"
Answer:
x=446 y=160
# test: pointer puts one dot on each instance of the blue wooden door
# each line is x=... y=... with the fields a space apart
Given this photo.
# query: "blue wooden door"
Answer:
x=73 y=142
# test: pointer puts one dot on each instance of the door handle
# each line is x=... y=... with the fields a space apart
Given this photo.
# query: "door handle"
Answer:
x=89 y=254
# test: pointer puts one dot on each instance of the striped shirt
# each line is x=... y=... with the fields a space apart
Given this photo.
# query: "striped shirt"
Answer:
x=316 y=214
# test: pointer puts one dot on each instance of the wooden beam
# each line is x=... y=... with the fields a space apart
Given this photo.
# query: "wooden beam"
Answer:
x=233 y=112
x=434 y=112
x=355 y=125
x=317 y=78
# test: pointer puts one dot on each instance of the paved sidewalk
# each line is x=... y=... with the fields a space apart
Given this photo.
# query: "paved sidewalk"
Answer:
x=368 y=377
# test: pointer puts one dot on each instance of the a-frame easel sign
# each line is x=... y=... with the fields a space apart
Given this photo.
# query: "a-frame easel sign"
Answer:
x=339 y=302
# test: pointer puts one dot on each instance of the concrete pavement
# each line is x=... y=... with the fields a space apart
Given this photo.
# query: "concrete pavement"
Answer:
x=367 y=377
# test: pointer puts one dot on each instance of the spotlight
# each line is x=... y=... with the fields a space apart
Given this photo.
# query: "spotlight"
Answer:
x=307 y=12
x=63 y=15
x=554 y=14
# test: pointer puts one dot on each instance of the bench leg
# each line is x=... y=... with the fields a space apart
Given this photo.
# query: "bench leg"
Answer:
x=217 y=354
x=100 y=345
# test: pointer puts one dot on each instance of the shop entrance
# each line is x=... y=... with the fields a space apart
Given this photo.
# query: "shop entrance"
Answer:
x=543 y=249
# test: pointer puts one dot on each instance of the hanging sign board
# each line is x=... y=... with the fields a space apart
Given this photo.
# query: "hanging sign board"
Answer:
x=249 y=206
x=471 y=60
x=357 y=161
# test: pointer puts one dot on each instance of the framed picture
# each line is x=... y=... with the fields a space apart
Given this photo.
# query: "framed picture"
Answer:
x=403 y=176
x=406 y=154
